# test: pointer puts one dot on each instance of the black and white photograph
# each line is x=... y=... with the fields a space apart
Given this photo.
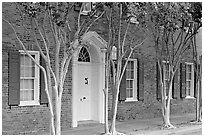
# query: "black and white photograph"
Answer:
x=101 y=68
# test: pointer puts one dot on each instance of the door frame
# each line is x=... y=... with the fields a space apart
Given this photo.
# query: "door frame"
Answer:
x=84 y=70
x=100 y=49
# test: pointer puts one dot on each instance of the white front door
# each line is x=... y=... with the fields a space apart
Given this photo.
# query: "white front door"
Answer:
x=84 y=93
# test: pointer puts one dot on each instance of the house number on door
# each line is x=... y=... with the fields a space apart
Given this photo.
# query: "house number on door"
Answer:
x=86 y=81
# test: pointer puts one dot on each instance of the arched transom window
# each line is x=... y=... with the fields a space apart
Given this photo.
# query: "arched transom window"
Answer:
x=84 y=55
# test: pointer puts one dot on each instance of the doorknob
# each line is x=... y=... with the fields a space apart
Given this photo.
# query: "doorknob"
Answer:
x=83 y=98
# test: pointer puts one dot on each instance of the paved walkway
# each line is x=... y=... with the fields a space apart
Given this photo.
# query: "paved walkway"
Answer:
x=139 y=126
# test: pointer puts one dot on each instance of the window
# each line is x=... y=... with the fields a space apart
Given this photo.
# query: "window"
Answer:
x=29 y=79
x=84 y=55
x=189 y=80
x=131 y=80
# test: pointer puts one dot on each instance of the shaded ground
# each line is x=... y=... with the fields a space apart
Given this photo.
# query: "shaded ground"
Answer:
x=142 y=126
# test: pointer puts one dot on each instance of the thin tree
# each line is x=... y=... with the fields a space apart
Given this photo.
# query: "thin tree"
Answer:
x=53 y=31
x=198 y=78
x=197 y=56
x=196 y=12
x=119 y=26
x=171 y=26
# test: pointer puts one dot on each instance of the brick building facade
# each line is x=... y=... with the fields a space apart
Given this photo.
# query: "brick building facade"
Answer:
x=34 y=119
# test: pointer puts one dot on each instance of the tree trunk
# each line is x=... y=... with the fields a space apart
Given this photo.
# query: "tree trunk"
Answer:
x=106 y=95
x=115 y=102
x=166 y=108
x=198 y=102
x=57 y=111
x=52 y=125
x=58 y=116
x=199 y=96
x=106 y=111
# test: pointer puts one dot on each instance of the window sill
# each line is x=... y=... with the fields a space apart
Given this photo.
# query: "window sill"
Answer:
x=29 y=103
x=189 y=97
x=131 y=100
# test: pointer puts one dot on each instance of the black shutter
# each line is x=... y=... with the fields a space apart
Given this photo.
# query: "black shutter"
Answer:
x=140 y=80
x=158 y=91
x=122 y=93
x=175 y=88
x=196 y=70
x=43 y=95
x=14 y=78
x=195 y=81
x=183 y=80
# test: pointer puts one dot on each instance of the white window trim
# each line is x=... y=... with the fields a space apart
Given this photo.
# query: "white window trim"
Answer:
x=134 y=98
x=37 y=81
x=82 y=62
x=192 y=82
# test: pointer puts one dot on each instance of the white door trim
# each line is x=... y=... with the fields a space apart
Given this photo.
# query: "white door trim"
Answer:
x=101 y=81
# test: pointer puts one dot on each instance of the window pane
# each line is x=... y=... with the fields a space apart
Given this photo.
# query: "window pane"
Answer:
x=188 y=84
x=26 y=60
x=128 y=74
x=188 y=76
x=127 y=84
x=132 y=74
x=130 y=79
x=27 y=71
x=27 y=66
x=128 y=65
x=26 y=95
x=131 y=93
x=22 y=60
x=127 y=93
x=27 y=84
x=188 y=68
x=188 y=92
x=131 y=84
x=84 y=55
x=132 y=65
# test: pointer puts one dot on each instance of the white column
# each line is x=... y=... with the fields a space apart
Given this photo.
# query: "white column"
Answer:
x=74 y=89
x=102 y=86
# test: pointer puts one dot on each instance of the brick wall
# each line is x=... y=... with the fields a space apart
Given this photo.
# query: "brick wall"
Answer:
x=66 y=115
x=26 y=119
x=35 y=119
x=150 y=107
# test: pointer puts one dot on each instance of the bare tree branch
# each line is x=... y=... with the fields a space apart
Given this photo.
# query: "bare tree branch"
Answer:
x=124 y=38
x=94 y=21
